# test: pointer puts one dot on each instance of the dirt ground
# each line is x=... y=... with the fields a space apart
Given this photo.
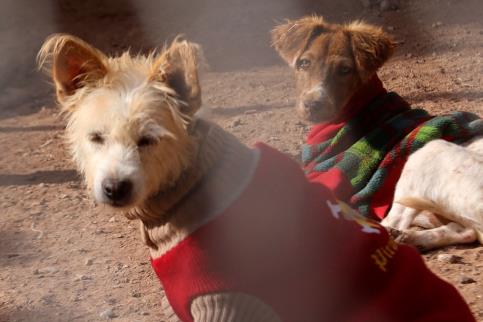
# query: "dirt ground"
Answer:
x=62 y=258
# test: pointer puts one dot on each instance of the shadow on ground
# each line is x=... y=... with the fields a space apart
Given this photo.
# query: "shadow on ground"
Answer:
x=37 y=177
x=16 y=247
x=229 y=112
x=444 y=95
x=13 y=129
x=25 y=314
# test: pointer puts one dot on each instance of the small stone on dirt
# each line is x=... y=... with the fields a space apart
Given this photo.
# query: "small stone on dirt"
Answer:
x=449 y=258
x=107 y=314
x=46 y=299
x=46 y=270
x=467 y=280
x=81 y=277
x=248 y=112
x=236 y=122
x=274 y=138
x=111 y=301
x=89 y=261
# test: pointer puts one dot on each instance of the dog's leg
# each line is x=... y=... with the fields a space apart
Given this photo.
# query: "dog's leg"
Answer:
x=394 y=216
x=450 y=234
x=427 y=220
x=400 y=217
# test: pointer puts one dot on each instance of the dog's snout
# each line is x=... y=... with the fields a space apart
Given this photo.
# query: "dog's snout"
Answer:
x=312 y=105
x=117 y=191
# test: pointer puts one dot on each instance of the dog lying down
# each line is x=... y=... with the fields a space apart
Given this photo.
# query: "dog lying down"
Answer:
x=234 y=233
x=363 y=136
x=451 y=187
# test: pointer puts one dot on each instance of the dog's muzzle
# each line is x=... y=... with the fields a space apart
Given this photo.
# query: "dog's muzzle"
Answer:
x=312 y=106
x=117 y=192
x=315 y=105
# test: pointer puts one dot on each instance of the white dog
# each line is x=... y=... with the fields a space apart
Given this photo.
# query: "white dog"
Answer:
x=425 y=195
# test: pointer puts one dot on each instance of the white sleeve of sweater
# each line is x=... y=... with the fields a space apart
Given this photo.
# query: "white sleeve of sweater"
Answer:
x=231 y=307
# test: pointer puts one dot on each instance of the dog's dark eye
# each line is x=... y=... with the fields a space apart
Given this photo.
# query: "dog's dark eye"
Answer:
x=344 y=70
x=145 y=141
x=96 y=137
x=303 y=64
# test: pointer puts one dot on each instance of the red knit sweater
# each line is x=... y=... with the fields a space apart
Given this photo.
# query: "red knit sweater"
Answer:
x=285 y=241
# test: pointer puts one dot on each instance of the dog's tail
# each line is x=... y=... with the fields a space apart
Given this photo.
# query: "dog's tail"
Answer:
x=421 y=204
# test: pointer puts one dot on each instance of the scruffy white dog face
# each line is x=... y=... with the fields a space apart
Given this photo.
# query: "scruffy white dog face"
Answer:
x=126 y=143
x=127 y=116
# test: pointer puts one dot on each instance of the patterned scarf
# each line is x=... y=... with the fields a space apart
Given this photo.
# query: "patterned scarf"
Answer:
x=370 y=149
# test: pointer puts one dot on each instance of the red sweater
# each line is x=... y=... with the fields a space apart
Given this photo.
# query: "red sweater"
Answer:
x=285 y=241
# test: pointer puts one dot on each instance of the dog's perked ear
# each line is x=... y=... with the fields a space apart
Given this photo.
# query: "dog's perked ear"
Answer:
x=71 y=62
x=177 y=66
x=293 y=37
x=371 y=46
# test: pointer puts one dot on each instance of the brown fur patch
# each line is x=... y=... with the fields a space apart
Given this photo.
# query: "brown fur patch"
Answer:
x=291 y=38
x=331 y=61
x=372 y=47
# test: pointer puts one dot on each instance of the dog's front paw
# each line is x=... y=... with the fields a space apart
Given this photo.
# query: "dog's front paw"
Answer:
x=394 y=233
x=406 y=238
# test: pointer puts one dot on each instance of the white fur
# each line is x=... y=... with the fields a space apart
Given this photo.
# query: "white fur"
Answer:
x=447 y=180
x=118 y=162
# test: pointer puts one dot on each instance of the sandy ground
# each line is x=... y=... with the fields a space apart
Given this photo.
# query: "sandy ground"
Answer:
x=62 y=258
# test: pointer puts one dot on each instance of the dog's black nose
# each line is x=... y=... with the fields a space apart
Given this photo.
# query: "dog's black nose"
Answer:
x=312 y=105
x=117 y=191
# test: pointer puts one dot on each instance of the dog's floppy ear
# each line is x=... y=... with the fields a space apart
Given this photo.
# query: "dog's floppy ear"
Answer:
x=290 y=39
x=178 y=68
x=71 y=62
x=371 y=46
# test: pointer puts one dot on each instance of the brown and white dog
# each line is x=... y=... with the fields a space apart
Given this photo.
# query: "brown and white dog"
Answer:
x=441 y=186
x=234 y=233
